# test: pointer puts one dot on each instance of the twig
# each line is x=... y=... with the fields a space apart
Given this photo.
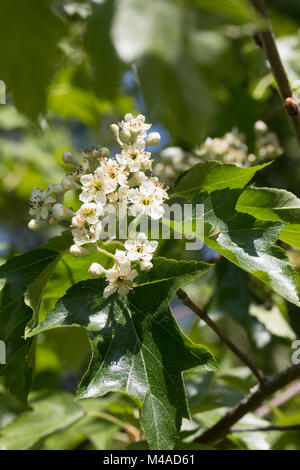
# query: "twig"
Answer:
x=266 y=41
x=295 y=427
x=263 y=391
x=203 y=315
x=107 y=417
x=132 y=432
x=292 y=391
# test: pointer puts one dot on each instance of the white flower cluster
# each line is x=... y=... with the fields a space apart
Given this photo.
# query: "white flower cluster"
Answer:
x=105 y=184
x=231 y=149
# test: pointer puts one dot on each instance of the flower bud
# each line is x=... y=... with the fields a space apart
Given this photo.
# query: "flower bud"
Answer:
x=59 y=211
x=125 y=136
x=57 y=188
x=103 y=152
x=115 y=130
x=33 y=225
x=146 y=265
x=68 y=183
x=69 y=157
x=261 y=127
x=78 y=251
x=153 y=138
x=96 y=270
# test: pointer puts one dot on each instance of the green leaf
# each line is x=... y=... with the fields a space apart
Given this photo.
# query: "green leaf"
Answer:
x=228 y=280
x=26 y=276
x=236 y=11
x=245 y=241
x=213 y=175
x=137 y=345
x=30 y=56
x=143 y=445
x=166 y=71
x=270 y=204
x=50 y=413
x=106 y=65
x=273 y=320
x=291 y=235
x=71 y=270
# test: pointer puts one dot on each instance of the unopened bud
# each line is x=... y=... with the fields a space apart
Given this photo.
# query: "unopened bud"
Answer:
x=125 y=136
x=57 y=188
x=69 y=157
x=96 y=270
x=59 y=211
x=153 y=138
x=33 y=225
x=115 y=130
x=68 y=183
x=146 y=265
x=103 y=152
x=78 y=251
x=261 y=127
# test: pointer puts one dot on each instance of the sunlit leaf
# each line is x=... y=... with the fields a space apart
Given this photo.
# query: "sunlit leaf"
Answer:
x=137 y=345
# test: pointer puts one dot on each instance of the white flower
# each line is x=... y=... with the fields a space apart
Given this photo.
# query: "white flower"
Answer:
x=140 y=248
x=135 y=125
x=41 y=203
x=96 y=186
x=108 y=186
x=83 y=235
x=138 y=178
x=148 y=199
x=120 y=278
x=114 y=173
x=89 y=212
x=134 y=159
x=121 y=257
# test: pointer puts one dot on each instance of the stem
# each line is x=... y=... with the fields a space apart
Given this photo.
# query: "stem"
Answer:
x=107 y=253
x=292 y=391
x=269 y=386
x=295 y=427
x=132 y=433
x=107 y=417
x=203 y=315
x=266 y=41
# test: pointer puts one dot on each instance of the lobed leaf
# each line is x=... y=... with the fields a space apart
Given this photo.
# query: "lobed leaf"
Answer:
x=51 y=412
x=270 y=204
x=244 y=240
x=213 y=175
x=138 y=348
x=26 y=276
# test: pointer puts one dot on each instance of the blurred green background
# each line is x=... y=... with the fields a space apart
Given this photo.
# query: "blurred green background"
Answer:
x=192 y=67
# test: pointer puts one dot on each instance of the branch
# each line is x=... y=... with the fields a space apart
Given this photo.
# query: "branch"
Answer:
x=292 y=391
x=203 y=315
x=266 y=41
x=263 y=391
x=295 y=427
